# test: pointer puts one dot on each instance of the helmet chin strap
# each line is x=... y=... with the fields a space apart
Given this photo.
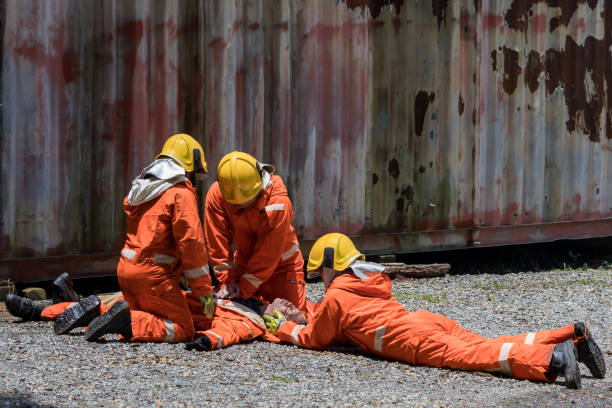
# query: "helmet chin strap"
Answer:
x=193 y=179
x=328 y=275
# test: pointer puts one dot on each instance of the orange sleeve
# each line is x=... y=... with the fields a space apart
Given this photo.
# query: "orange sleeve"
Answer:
x=322 y=330
x=189 y=239
x=271 y=240
x=218 y=234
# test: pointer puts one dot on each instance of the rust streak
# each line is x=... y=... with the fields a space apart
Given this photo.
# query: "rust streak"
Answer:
x=375 y=6
x=512 y=70
x=533 y=70
x=421 y=103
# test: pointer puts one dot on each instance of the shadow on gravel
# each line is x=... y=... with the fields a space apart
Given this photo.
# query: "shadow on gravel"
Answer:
x=561 y=255
x=16 y=399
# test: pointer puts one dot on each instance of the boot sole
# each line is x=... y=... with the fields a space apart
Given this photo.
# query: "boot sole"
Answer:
x=590 y=354
x=78 y=315
x=110 y=322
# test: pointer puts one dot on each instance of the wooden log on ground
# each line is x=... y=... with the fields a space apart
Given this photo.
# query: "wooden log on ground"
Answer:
x=399 y=271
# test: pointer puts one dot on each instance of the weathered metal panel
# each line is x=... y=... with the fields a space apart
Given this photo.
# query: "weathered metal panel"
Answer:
x=408 y=125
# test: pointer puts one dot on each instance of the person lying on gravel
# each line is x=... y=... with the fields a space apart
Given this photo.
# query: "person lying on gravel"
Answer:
x=86 y=309
x=358 y=308
x=62 y=290
x=234 y=321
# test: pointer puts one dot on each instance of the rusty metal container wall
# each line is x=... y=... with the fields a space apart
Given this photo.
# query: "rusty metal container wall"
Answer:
x=407 y=125
x=545 y=138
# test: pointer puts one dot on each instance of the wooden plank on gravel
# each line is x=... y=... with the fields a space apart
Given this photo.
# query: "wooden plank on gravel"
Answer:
x=398 y=271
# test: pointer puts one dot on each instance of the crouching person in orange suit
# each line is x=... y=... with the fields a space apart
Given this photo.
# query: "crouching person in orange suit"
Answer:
x=164 y=241
x=358 y=308
x=240 y=320
x=252 y=244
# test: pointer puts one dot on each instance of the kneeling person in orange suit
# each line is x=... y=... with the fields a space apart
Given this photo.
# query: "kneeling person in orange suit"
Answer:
x=249 y=207
x=358 y=308
x=164 y=241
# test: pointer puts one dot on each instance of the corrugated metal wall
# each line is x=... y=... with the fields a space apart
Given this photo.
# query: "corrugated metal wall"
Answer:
x=409 y=125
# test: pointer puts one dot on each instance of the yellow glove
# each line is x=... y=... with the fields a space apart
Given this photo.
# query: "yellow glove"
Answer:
x=208 y=305
x=273 y=323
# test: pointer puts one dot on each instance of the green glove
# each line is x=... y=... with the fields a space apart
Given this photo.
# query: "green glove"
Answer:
x=208 y=305
x=273 y=323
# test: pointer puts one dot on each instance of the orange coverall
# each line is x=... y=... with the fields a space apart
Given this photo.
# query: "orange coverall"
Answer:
x=232 y=322
x=164 y=240
x=358 y=309
x=267 y=259
x=235 y=323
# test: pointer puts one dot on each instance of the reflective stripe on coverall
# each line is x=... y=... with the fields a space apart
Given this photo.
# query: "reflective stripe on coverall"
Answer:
x=358 y=309
x=235 y=323
x=164 y=240
x=267 y=257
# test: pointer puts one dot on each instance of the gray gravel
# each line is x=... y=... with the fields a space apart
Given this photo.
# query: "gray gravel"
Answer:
x=41 y=369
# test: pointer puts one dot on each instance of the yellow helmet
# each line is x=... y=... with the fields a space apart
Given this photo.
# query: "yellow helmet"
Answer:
x=239 y=176
x=186 y=151
x=335 y=251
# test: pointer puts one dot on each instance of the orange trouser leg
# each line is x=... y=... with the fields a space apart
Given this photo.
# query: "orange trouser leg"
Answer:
x=227 y=331
x=51 y=312
x=555 y=336
x=279 y=286
x=524 y=361
x=159 y=310
x=444 y=344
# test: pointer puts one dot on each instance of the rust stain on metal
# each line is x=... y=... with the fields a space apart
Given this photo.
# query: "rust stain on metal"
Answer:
x=494 y=60
x=512 y=70
x=374 y=6
x=520 y=11
x=439 y=10
x=533 y=70
x=580 y=70
x=408 y=194
x=394 y=170
x=421 y=103
x=583 y=65
x=399 y=205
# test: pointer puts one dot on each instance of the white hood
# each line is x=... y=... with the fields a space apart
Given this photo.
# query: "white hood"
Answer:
x=163 y=174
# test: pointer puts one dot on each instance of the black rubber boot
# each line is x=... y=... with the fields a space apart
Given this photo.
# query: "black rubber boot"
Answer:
x=78 y=315
x=116 y=321
x=201 y=344
x=22 y=307
x=588 y=351
x=63 y=289
x=564 y=362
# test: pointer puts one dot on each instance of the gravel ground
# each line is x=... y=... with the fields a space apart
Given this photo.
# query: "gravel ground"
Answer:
x=40 y=369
